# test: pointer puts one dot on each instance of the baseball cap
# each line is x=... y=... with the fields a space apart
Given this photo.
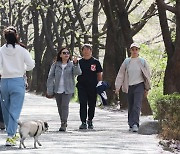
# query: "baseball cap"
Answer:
x=135 y=45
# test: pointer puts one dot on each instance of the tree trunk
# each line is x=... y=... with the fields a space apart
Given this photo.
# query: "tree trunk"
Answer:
x=146 y=108
x=4 y=23
x=171 y=78
x=176 y=57
x=95 y=33
x=38 y=49
x=77 y=12
x=118 y=38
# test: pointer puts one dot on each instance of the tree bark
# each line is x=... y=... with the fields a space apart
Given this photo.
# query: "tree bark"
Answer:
x=118 y=35
x=37 y=50
x=95 y=32
x=171 y=78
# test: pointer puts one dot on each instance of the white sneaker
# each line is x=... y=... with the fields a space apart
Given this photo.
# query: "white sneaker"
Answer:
x=135 y=128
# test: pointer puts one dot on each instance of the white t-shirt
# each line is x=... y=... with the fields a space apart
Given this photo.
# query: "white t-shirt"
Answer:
x=61 y=82
x=134 y=72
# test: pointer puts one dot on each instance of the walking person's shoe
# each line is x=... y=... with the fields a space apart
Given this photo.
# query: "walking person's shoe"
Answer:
x=130 y=128
x=16 y=137
x=83 y=125
x=10 y=142
x=90 y=124
x=135 y=128
x=2 y=126
x=63 y=126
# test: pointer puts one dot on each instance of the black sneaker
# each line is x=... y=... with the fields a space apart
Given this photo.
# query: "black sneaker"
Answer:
x=130 y=129
x=90 y=124
x=63 y=126
x=83 y=125
x=2 y=126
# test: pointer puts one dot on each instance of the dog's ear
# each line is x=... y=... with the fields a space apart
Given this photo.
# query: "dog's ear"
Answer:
x=46 y=125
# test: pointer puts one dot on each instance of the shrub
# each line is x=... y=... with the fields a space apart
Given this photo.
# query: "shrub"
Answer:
x=168 y=109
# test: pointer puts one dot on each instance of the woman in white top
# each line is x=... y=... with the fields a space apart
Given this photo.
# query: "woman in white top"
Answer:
x=134 y=78
x=61 y=83
x=15 y=60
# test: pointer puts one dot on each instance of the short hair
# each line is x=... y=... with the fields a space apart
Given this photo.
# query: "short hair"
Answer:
x=89 y=46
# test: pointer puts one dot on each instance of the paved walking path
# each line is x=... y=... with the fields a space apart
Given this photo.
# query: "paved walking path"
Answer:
x=110 y=135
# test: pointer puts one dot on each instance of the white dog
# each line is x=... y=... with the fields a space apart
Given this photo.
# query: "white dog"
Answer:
x=33 y=129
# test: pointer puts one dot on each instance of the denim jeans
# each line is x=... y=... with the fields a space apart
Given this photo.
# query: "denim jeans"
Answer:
x=1 y=116
x=12 y=93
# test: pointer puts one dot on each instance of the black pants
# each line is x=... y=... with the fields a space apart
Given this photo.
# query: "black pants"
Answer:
x=87 y=97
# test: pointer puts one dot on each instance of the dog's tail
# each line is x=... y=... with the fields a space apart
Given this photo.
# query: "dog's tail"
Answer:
x=19 y=122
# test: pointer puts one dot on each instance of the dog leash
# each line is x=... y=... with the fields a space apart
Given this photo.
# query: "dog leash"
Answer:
x=36 y=131
x=38 y=128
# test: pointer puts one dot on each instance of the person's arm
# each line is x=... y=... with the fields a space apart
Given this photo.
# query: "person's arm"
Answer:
x=120 y=78
x=76 y=67
x=99 y=76
x=99 y=71
x=50 y=81
x=30 y=63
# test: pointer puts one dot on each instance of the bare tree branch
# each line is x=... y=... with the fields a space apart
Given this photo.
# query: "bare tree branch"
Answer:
x=168 y=7
x=147 y=15
x=137 y=4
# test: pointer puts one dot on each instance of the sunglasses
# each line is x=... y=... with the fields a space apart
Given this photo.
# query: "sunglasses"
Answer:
x=65 y=53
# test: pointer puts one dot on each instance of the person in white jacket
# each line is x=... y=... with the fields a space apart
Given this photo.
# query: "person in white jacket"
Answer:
x=15 y=60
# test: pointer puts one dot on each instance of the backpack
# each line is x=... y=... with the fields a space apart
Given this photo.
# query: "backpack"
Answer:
x=127 y=60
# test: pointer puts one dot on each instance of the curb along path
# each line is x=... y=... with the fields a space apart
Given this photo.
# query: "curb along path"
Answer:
x=110 y=134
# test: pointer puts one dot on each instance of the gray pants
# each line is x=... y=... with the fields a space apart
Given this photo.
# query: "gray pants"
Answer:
x=62 y=101
x=135 y=96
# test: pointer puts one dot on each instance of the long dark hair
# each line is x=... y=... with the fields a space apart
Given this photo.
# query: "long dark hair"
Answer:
x=11 y=37
x=58 y=58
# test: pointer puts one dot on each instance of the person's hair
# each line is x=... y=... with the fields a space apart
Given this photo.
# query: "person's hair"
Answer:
x=10 y=34
x=89 y=46
x=58 y=58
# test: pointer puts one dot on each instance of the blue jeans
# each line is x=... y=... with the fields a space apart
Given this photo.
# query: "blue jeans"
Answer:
x=12 y=93
x=1 y=116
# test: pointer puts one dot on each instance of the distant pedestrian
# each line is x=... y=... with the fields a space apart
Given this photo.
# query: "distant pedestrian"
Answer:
x=15 y=60
x=134 y=78
x=61 y=83
x=87 y=82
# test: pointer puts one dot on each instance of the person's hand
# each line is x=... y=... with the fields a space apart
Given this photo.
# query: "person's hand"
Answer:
x=145 y=93
x=117 y=91
x=75 y=60
x=49 y=96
